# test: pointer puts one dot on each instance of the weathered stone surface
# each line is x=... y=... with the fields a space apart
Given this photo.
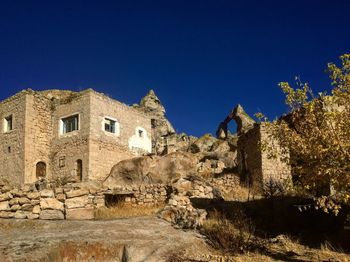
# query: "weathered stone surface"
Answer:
x=142 y=239
x=49 y=214
x=151 y=170
x=77 y=202
x=27 y=207
x=61 y=197
x=5 y=196
x=13 y=201
x=15 y=207
x=4 y=206
x=36 y=209
x=21 y=214
x=77 y=193
x=23 y=200
x=33 y=195
x=35 y=202
x=47 y=193
x=6 y=214
x=33 y=216
x=203 y=144
x=151 y=105
x=80 y=213
x=182 y=185
x=17 y=193
x=51 y=203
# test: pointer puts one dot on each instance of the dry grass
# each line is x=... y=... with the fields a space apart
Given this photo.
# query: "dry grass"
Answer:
x=15 y=224
x=230 y=236
x=123 y=210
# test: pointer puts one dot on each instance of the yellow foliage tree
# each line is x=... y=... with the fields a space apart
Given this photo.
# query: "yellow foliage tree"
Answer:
x=316 y=133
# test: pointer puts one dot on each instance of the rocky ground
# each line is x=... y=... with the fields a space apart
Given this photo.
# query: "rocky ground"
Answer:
x=132 y=239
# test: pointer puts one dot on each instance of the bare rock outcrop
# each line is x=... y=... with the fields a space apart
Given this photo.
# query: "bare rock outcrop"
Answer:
x=243 y=120
x=152 y=169
x=151 y=105
x=180 y=211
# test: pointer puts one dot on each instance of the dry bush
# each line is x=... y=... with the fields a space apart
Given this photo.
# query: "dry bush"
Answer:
x=275 y=188
x=238 y=193
x=123 y=210
x=231 y=236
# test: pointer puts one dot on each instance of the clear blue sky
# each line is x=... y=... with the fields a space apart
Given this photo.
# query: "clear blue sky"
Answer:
x=200 y=57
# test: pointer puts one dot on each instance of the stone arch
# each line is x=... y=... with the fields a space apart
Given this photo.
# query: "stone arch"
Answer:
x=40 y=170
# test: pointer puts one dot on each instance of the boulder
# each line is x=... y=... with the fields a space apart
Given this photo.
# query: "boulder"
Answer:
x=50 y=214
x=7 y=214
x=47 y=193
x=76 y=193
x=33 y=216
x=21 y=214
x=27 y=207
x=51 y=203
x=15 y=207
x=80 y=213
x=33 y=195
x=6 y=196
x=77 y=202
x=203 y=144
x=152 y=169
x=23 y=200
x=36 y=209
x=4 y=206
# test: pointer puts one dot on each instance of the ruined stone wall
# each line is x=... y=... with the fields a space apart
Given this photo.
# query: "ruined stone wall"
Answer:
x=71 y=202
x=38 y=135
x=274 y=168
x=107 y=149
x=11 y=142
x=249 y=156
x=68 y=148
x=256 y=165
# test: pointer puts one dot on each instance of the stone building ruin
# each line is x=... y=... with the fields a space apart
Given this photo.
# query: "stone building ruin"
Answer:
x=57 y=133
x=255 y=166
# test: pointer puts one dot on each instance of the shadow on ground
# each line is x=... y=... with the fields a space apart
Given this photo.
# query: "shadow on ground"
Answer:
x=281 y=215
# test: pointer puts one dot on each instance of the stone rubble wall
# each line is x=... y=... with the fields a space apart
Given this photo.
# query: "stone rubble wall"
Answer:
x=225 y=182
x=179 y=210
x=70 y=202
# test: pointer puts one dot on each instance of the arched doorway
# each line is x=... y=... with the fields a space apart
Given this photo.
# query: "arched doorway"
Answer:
x=79 y=169
x=40 y=170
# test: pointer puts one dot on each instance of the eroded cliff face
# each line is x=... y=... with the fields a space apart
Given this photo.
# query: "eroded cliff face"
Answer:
x=161 y=126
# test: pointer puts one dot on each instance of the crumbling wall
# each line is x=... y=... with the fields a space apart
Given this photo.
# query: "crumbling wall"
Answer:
x=256 y=166
x=71 y=201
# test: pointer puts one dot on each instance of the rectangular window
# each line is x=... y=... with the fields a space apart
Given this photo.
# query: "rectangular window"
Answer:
x=70 y=124
x=110 y=125
x=8 y=124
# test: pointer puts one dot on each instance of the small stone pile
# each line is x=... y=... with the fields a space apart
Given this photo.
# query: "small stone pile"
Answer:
x=180 y=211
x=225 y=181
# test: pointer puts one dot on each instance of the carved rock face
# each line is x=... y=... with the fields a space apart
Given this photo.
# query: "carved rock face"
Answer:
x=243 y=120
x=151 y=103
